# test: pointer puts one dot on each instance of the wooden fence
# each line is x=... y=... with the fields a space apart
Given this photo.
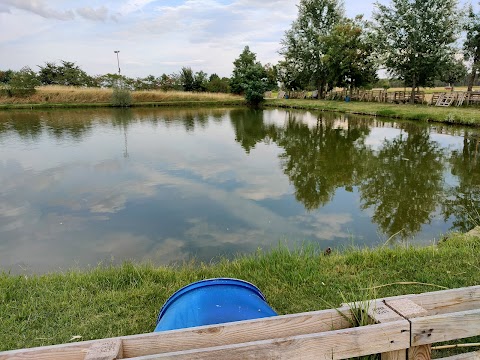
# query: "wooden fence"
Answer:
x=401 y=327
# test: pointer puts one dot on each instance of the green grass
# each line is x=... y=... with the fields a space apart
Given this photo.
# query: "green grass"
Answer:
x=469 y=116
x=113 y=301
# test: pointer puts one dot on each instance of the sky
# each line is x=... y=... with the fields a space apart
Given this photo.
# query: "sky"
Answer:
x=153 y=36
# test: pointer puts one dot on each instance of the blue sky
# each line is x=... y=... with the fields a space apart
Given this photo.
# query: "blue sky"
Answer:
x=153 y=36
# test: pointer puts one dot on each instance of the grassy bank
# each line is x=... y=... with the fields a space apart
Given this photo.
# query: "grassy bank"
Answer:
x=113 y=301
x=65 y=97
x=469 y=116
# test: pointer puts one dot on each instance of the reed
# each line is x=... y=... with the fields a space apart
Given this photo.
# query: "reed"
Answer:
x=68 y=95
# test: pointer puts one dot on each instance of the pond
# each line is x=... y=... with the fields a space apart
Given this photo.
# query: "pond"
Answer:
x=80 y=187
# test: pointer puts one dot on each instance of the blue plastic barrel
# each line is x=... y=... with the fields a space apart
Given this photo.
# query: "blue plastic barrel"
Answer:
x=213 y=301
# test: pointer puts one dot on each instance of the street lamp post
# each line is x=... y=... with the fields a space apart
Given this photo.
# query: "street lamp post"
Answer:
x=118 y=61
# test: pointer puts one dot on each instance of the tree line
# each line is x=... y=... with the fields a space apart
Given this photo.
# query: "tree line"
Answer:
x=417 y=42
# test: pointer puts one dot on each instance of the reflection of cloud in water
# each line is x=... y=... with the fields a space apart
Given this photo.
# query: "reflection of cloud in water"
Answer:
x=325 y=226
x=108 y=166
x=213 y=235
x=168 y=251
x=377 y=136
x=110 y=204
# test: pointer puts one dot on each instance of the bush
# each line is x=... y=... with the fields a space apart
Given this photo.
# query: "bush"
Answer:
x=121 y=97
x=23 y=82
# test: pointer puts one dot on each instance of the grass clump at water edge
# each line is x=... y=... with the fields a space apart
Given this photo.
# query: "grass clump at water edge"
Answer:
x=114 y=301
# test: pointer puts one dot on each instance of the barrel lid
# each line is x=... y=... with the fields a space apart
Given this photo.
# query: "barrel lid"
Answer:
x=208 y=282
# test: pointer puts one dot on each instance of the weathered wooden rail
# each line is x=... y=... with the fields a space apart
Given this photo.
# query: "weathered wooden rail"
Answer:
x=401 y=327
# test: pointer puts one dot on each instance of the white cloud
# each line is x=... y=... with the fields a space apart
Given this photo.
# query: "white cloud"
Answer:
x=38 y=7
x=134 y=5
x=99 y=14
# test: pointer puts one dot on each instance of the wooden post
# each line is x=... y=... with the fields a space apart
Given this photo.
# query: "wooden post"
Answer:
x=409 y=310
x=381 y=313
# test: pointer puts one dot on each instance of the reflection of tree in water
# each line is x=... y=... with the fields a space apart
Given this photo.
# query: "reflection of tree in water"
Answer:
x=404 y=182
x=28 y=125
x=250 y=128
x=76 y=124
x=320 y=159
x=463 y=200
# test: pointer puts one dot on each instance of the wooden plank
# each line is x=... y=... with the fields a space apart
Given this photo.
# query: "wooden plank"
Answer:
x=75 y=351
x=423 y=352
x=465 y=356
x=445 y=301
x=406 y=308
x=239 y=332
x=381 y=313
x=205 y=336
x=394 y=355
x=445 y=327
x=461 y=98
x=333 y=345
x=105 y=350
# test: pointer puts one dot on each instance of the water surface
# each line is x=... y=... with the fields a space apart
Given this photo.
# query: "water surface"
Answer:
x=78 y=187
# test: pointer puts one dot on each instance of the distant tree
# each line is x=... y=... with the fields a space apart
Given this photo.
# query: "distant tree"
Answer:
x=218 y=85
x=23 y=82
x=290 y=75
x=272 y=76
x=249 y=77
x=415 y=38
x=72 y=75
x=383 y=83
x=454 y=72
x=186 y=77
x=147 y=83
x=348 y=56
x=471 y=46
x=170 y=82
x=303 y=44
x=67 y=74
x=5 y=76
x=200 y=80
x=244 y=61
x=108 y=80
x=49 y=73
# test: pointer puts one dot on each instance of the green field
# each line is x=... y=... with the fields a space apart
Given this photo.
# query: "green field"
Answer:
x=112 y=301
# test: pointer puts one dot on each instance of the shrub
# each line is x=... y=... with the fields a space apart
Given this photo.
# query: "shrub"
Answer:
x=23 y=82
x=121 y=97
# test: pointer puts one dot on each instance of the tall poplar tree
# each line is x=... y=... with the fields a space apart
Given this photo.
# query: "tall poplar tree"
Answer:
x=415 y=38
x=303 y=45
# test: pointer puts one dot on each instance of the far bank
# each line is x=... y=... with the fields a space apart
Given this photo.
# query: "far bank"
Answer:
x=47 y=97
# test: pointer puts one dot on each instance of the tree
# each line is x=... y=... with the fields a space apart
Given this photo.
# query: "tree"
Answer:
x=249 y=77
x=303 y=45
x=200 y=81
x=454 y=72
x=415 y=37
x=348 y=55
x=471 y=46
x=272 y=76
x=186 y=77
x=218 y=85
x=170 y=82
x=23 y=82
x=67 y=74
x=5 y=76
x=244 y=61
